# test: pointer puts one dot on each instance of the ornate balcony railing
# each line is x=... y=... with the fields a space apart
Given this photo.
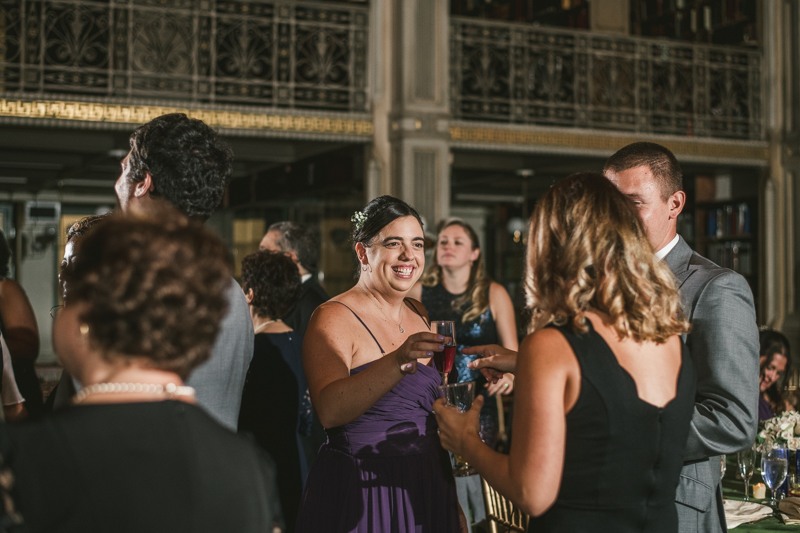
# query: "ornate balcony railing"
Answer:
x=268 y=53
x=523 y=74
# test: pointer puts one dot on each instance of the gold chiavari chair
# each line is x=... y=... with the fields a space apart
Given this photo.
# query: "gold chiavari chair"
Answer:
x=502 y=516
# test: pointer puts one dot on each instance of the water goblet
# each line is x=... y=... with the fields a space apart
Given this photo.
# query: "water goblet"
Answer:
x=774 y=467
x=443 y=361
x=459 y=395
x=747 y=463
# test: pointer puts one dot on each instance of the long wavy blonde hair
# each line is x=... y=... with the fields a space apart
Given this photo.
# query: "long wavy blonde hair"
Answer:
x=475 y=299
x=587 y=249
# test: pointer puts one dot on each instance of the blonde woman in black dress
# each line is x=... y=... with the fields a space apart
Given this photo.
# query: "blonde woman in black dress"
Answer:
x=604 y=389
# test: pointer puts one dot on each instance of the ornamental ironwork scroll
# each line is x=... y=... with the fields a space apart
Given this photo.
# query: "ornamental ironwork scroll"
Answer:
x=522 y=74
x=281 y=54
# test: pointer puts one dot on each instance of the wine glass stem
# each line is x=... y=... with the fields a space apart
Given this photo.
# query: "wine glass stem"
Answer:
x=746 y=489
x=772 y=501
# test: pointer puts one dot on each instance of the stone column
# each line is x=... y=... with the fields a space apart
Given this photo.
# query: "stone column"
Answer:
x=411 y=152
x=780 y=251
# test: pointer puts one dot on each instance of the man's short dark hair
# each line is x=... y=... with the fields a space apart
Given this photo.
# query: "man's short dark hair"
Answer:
x=275 y=281
x=189 y=163
x=660 y=160
x=299 y=239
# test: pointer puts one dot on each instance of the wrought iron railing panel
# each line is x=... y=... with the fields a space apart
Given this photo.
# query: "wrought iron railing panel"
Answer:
x=524 y=74
x=283 y=54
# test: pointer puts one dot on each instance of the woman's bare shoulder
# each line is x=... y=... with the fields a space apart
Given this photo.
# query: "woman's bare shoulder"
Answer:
x=547 y=346
x=418 y=307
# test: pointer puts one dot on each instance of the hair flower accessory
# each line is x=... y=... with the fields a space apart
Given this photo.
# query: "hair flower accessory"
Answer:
x=358 y=218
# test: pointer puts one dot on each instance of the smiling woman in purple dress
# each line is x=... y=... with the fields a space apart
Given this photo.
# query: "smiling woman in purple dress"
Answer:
x=365 y=356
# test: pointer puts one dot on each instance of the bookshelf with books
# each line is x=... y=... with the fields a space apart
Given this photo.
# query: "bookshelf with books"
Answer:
x=724 y=214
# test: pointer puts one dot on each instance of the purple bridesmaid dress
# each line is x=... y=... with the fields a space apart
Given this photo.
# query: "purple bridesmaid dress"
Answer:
x=384 y=472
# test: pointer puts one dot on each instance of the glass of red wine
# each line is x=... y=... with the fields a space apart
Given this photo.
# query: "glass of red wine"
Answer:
x=443 y=361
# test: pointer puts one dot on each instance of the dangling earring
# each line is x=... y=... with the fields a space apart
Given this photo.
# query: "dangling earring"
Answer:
x=366 y=267
x=84 y=329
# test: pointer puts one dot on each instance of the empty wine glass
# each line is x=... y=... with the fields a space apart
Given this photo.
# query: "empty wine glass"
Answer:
x=774 y=467
x=747 y=463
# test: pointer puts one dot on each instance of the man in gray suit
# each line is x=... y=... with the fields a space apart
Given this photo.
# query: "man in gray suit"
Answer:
x=723 y=342
x=184 y=162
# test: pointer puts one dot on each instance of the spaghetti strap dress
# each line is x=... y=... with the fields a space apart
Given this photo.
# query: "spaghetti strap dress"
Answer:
x=386 y=470
x=623 y=456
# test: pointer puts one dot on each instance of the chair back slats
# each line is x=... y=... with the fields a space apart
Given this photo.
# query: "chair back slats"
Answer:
x=502 y=515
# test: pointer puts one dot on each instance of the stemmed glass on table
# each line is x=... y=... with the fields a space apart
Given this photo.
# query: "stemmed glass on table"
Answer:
x=443 y=361
x=774 y=466
x=747 y=463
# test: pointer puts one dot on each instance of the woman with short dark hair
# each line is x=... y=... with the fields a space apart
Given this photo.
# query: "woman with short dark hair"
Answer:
x=275 y=404
x=143 y=303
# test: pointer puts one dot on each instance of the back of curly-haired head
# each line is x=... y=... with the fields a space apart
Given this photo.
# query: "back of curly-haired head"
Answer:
x=659 y=159
x=587 y=249
x=299 y=239
x=189 y=163
x=275 y=281
x=153 y=288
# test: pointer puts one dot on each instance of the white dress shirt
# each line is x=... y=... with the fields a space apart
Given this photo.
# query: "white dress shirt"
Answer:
x=662 y=253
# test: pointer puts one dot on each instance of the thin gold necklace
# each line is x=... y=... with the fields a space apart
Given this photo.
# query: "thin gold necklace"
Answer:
x=372 y=299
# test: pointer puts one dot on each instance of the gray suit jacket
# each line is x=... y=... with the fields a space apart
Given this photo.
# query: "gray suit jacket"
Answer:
x=220 y=380
x=723 y=344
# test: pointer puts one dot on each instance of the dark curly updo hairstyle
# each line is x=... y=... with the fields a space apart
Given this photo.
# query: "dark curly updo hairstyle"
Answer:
x=378 y=214
x=154 y=287
x=275 y=281
x=189 y=163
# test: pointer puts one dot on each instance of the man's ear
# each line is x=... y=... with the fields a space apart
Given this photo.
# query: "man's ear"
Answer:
x=676 y=202
x=144 y=187
x=249 y=295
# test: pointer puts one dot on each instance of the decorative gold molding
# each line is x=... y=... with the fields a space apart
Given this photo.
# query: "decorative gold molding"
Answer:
x=611 y=143
x=139 y=114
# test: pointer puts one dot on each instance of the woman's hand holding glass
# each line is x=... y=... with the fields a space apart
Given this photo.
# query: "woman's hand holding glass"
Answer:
x=457 y=428
x=417 y=346
x=495 y=361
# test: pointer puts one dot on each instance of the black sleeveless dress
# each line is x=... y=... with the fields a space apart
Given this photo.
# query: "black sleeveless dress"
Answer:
x=623 y=455
x=477 y=332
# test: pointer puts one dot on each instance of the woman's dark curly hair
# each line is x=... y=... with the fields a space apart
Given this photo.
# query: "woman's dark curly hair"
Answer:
x=189 y=163
x=154 y=287
x=275 y=281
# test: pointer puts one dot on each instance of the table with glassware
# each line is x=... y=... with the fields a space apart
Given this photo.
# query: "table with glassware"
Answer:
x=733 y=486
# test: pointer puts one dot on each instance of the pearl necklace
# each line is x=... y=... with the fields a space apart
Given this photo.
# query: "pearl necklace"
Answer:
x=170 y=389
x=259 y=328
